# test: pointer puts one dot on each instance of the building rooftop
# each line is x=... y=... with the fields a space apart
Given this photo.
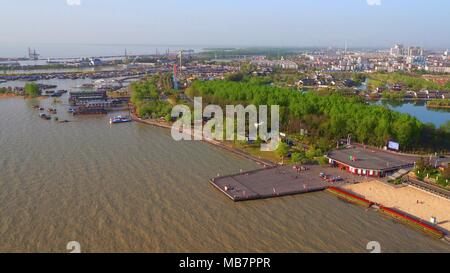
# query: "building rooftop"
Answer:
x=371 y=159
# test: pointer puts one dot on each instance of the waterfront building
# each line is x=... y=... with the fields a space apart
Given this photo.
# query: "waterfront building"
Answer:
x=369 y=162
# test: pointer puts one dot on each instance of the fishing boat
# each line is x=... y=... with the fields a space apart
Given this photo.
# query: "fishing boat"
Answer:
x=44 y=116
x=120 y=119
x=58 y=93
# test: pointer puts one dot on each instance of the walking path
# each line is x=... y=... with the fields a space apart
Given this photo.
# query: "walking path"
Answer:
x=166 y=125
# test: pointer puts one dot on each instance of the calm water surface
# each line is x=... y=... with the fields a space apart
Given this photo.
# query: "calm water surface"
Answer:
x=131 y=188
x=419 y=110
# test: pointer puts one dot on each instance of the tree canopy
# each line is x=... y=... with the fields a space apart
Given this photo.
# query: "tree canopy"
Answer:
x=146 y=96
x=32 y=90
x=330 y=117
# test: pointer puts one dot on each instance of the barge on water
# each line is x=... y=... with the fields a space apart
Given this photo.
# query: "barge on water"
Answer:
x=89 y=111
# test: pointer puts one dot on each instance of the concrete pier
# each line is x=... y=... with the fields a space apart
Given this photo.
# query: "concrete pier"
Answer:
x=275 y=182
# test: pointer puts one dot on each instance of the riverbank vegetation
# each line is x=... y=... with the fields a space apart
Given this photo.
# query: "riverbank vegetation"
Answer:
x=4 y=91
x=153 y=97
x=327 y=119
x=32 y=90
x=439 y=104
x=393 y=96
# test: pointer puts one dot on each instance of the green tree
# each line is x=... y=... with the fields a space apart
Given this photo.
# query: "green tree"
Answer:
x=282 y=150
x=297 y=157
x=32 y=90
x=446 y=173
x=235 y=77
x=327 y=118
x=446 y=127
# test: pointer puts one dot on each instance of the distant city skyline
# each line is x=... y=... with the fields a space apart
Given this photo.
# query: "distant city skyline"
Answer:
x=264 y=23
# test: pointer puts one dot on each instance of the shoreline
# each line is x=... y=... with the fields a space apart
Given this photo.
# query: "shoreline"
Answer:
x=9 y=95
x=264 y=162
x=438 y=106
x=406 y=100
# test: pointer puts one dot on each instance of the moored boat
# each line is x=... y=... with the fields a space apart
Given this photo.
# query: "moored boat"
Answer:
x=44 y=116
x=120 y=119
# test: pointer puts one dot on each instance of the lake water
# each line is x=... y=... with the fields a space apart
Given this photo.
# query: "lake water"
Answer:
x=419 y=110
x=131 y=188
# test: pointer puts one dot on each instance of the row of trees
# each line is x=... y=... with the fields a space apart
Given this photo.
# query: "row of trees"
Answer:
x=328 y=118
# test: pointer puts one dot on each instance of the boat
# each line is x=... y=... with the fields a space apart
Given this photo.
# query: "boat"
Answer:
x=86 y=86
x=44 y=116
x=120 y=119
x=58 y=93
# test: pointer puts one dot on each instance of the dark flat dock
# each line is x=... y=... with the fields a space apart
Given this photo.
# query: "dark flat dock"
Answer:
x=277 y=182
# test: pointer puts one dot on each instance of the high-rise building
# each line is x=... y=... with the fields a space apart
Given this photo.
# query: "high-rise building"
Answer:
x=398 y=50
x=415 y=51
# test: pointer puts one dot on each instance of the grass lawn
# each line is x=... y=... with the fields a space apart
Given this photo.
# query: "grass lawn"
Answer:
x=255 y=150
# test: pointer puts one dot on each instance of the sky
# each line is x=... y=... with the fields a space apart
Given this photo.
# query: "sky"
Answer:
x=284 y=23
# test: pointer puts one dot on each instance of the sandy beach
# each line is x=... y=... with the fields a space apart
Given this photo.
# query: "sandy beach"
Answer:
x=408 y=199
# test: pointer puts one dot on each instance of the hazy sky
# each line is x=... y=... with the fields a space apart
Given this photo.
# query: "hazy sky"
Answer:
x=371 y=23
